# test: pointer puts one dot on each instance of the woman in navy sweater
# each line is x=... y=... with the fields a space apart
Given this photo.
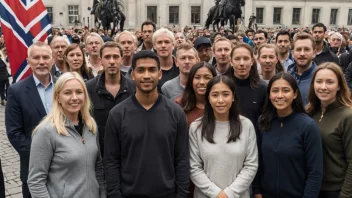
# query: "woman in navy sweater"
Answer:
x=290 y=149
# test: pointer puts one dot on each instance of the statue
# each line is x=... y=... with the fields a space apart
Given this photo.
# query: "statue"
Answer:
x=251 y=21
x=223 y=11
x=108 y=11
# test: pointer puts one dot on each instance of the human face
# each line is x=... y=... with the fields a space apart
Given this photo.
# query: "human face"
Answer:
x=93 y=46
x=163 y=45
x=303 y=53
x=318 y=34
x=282 y=96
x=111 y=61
x=242 y=61
x=268 y=60
x=179 y=38
x=71 y=98
x=234 y=41
x=240 y=38
x=128 y=45
x=40 y=61
x=147 y=33
x=205 y=53
x=283 y=43
x=58 y=46
x=220 y=99
x=326 y=86
x=185 y=60
x=335 y=41
x=222 y=51
x=200 y=80
x=75 y=59
x=222 y=30
x=250 y=35
x=146 y=75
x=259 y=39
x=200 y=32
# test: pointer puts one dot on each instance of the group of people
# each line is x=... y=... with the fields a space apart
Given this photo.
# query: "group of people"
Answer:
x=229 y=115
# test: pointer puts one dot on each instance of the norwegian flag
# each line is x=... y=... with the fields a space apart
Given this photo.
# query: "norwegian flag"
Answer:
x=23 y=22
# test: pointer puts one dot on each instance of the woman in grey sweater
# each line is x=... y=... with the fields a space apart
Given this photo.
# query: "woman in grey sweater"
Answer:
x=65 y=159
x=223 y=147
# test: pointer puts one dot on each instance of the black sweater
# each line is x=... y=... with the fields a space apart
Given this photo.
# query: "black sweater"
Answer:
x=147 y=151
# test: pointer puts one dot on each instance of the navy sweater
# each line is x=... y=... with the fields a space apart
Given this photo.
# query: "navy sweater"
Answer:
x=146 y=151
x=290 y=159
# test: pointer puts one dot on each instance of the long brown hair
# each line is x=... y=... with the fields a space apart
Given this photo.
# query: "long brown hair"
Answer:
x=84 y=68
x=343 y=96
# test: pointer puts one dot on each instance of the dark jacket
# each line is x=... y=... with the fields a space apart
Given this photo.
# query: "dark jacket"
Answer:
x=290 y=158
x=348 y=75
x=345 y=59
x=103 y=101
x=326 y=56
x=4 y=74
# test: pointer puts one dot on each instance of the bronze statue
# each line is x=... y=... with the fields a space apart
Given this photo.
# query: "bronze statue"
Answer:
x=108 y=11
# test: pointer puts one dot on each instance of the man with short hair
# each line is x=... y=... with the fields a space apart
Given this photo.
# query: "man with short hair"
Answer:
x=222 y=51
x=250 y=33
x=29 y=101
x=163 y=43
x=108 y=89
x=93 y=45
x=128 y=42
x=203 y=46
x=303 y=69
x=283 y=42
x=179 y=39
x=323 y=53
x=148 y=29
x=145 y=156
x=186 y=58
x=259 y=38
x=58 y=46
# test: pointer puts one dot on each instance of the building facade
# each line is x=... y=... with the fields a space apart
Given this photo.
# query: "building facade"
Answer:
x=179 y=13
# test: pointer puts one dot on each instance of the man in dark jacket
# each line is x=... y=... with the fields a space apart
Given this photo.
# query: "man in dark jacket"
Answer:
x=323 y=52
x=108 y=89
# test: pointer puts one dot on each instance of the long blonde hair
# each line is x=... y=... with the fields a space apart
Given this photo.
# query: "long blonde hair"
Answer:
x=57 y=116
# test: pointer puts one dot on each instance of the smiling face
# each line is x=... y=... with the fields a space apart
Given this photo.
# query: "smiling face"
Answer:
x=303 y=53
x=326 y=86
x=200 y=80
x=282 y=96
x=220 y=99
x=40 y=60
x=146 y=75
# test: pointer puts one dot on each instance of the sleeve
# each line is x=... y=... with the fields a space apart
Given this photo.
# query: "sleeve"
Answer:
x=14 y=123
x=112 y=156
x=249 y=170
x=198 y=175
x=42 y=152
x=99 y=170
x=346 y=127
x=314 y=160
x=257 y=179
x=165 y=91
x=348 y=75
x=182 y=157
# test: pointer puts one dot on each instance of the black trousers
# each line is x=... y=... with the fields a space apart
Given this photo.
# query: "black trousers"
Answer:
x=2 y=89
x=329 y=194
x=24 y=164
x=2 y=182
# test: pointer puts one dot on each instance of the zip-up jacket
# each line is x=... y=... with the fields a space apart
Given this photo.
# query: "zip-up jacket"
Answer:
x=290 y=159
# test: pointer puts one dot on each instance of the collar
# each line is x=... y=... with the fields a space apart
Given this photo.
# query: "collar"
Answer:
x=37 y=82
x=293 y=70
x=333 y=106
x=100 y=86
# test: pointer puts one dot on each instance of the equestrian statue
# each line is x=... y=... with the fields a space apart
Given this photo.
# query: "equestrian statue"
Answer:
x=108 y=11
x=225 y=10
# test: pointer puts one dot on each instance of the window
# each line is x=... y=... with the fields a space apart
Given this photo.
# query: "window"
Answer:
x=173 y=14
x=73 y=14
x=277 y=16
x=333 y=16
x=315 y=16
x=50 y=13
x=349 y=20
x=195 y=14
x=260 y=15
x=151 y=13
x=296 y=16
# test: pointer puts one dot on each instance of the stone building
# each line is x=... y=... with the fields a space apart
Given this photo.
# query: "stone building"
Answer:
x=270 y=13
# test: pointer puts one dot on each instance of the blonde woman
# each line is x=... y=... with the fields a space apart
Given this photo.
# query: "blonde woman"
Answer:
x=64 y=157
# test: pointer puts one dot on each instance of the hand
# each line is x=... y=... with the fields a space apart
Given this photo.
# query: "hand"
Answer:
x=222 y=194
x=258 y=196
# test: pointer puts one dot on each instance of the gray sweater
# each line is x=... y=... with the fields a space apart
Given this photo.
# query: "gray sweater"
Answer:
x=223 y=166
x=172 y=88
x=65 y=166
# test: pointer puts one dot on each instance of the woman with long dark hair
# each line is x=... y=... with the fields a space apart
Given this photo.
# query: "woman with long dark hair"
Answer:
x=193 y=98
x=330 y=105
x=75 y=62
x=223 y=147
x=290 y=150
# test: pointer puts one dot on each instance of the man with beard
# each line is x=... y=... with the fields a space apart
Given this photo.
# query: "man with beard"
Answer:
x=203 y=46
x=323 y=53
x=93 y=45
x=146 y=139
x=128 y=42
x=186 y=58
x=148 y=29
x=283 y=42
x=58 y=46
x=108 y=89
x=303 y=69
